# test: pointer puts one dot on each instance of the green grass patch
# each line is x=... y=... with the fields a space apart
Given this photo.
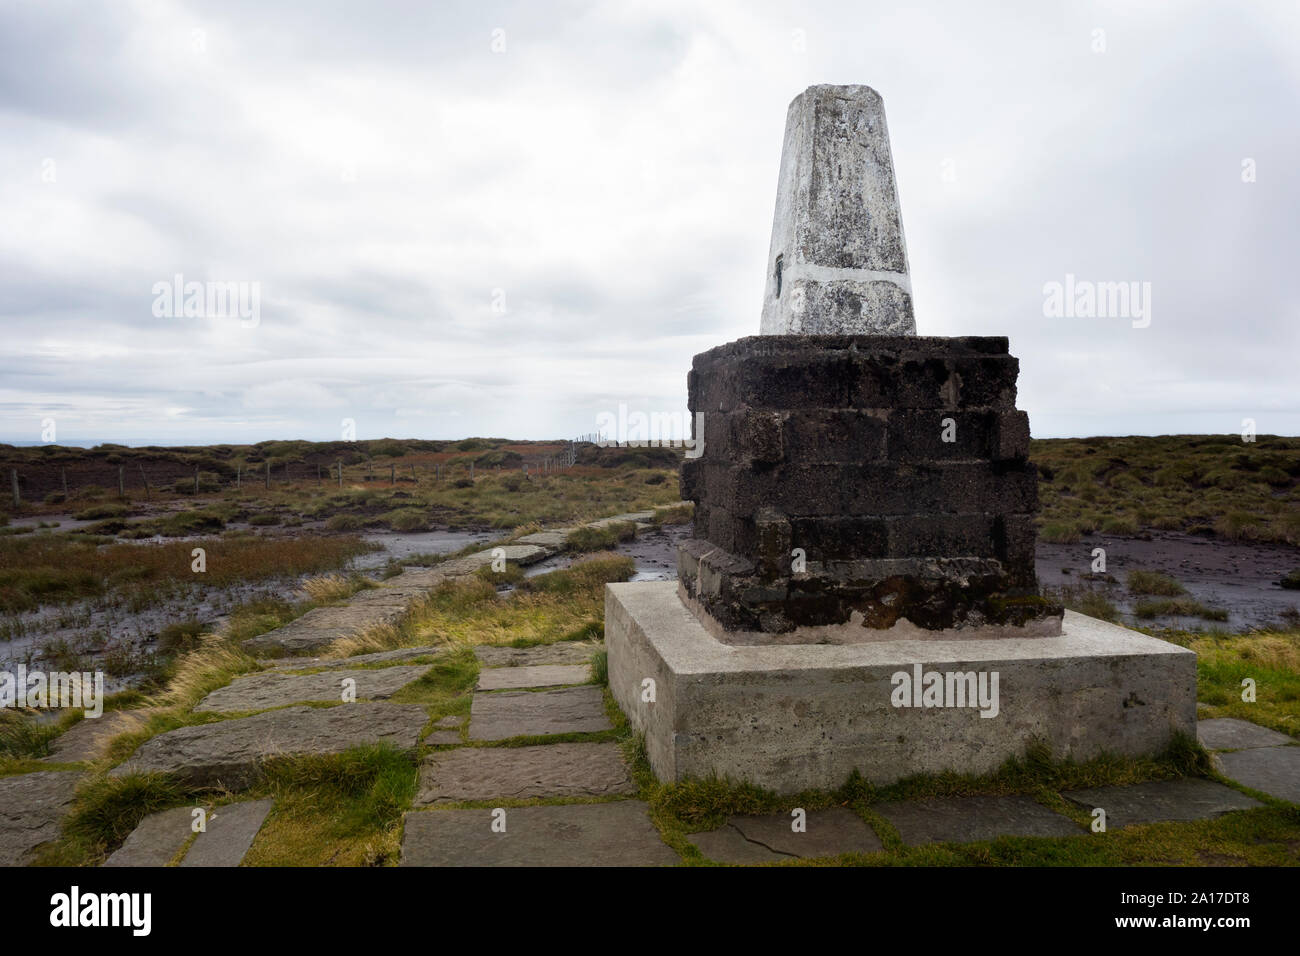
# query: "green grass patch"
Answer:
x=1153 y=582
x=1178 y=607
x=1224 y=662
x=338 y=810
x=600 y=539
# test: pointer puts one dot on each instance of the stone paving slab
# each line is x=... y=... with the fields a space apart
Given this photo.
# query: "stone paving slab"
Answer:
x=1229 y=733
x=728 y=845
x=89 y=737
x=230 y=832
x=397 y=656
x=31 y=807
x=561 y=652
x=418 y=579
x=572 y=710
x=591 y=834
x=521 y=554
x=971 y=819
x=768 y=838
x=156 y=840
x=523 y=773
x=451 y=720
x=276 y=689
x=443 y=738
x=1272 y=770
x=1161 y=801
x=631 y=516
x=546 y=539
x=229 y=752
x=386 y=597
x=532 y=675
x=321 y=627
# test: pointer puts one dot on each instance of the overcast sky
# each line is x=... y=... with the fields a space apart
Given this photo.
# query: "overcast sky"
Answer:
x=507 y=218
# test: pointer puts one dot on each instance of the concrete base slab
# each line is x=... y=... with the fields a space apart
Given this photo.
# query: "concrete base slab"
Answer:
x=590 y=834
x=1229 y=733
x=573 y=710
x=522 y=773
x=969 y=819
x=794 y=717
x=1161 y=801
x=538 y=675
x=769 y=838
x=1271 y=770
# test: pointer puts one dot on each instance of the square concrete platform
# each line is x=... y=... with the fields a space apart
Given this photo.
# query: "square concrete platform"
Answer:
x=790 y=718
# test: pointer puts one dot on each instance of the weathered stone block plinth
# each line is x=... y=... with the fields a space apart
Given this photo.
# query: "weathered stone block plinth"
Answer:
x=861 y=487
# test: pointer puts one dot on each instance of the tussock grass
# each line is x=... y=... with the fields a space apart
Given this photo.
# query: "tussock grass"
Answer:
x=1153 y=582
x=600 y=539
x=23 y=738
x=566 y=604
x=1060 y=532
x=328 y=588
x=54 y=569
x=215 y=663
x=1178 y=607
x=682 y=513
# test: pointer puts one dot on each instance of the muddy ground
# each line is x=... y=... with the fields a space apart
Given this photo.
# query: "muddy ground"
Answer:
x=1239 y=578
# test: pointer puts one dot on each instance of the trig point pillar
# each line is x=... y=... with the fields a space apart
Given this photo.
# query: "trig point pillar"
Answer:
x=864 y=522
x=838 y=261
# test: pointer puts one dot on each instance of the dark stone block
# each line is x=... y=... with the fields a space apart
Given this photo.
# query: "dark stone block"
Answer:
x=922 y=436
x=987 y=380
x=1013 y=436
x=916 y=536
x=841 y=372
x=834 y=435
x=840 y=537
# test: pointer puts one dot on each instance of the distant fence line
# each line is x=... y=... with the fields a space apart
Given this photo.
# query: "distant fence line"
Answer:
x=122 y=479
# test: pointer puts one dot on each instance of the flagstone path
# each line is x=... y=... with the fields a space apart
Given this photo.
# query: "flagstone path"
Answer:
x=473 y=773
